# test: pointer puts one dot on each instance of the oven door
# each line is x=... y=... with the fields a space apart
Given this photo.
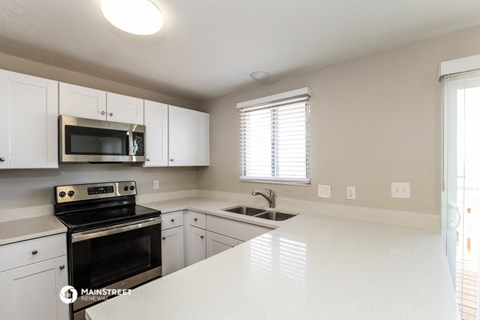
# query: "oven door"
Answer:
x=118 y=257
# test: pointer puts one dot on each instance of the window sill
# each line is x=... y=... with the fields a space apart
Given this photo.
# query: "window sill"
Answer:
x=300 y=183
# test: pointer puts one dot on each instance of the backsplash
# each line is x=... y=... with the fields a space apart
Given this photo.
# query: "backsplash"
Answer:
x=27 y=188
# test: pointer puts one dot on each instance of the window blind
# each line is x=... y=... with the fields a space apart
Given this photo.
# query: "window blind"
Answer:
x=275 y=140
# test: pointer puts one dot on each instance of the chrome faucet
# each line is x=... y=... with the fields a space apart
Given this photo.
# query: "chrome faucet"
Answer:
x=270 y=198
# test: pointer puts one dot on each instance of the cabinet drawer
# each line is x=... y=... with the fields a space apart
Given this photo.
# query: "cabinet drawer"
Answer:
x=235 y=229
x=197 y=219
x=172 y=220
x=31 y=251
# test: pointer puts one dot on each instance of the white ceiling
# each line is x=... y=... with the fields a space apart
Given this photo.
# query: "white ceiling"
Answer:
x=208 y=48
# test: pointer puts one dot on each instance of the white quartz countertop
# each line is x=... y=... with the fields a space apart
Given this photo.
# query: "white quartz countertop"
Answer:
x=30 y=228
x=311 y=267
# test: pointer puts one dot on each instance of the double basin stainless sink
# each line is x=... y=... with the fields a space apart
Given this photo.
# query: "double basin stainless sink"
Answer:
x=260 y=213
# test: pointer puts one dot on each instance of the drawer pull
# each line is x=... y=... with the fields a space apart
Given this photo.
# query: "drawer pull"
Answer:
x=163 y=238
x=201 y=237
x=111 y=114
x=34 y=252
x=61 y=267
x=173 y=220
x=195 y=219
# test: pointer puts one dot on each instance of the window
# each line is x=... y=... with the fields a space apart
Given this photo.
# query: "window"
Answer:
x=275 y=138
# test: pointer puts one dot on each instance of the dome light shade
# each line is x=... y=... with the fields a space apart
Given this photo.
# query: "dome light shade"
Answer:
x=141 y=17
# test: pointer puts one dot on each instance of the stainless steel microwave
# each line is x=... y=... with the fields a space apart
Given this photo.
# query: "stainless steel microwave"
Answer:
x=87 y=140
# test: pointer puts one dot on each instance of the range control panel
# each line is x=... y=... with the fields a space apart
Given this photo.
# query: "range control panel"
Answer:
x=80 y=192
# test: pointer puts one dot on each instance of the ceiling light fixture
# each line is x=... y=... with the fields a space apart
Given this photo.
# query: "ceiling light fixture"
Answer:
x=141 y=17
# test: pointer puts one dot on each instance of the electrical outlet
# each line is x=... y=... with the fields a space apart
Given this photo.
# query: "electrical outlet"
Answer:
x=155 y=184
x=401 y=190
x=324 y=191
x=351 y=193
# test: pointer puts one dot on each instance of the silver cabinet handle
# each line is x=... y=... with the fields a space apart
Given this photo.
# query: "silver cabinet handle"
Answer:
x=103 y=113
x=61 y=267
x=2 y=159
x=34 y=252
x=201 y=237
x=195 y=219
x=111 y=114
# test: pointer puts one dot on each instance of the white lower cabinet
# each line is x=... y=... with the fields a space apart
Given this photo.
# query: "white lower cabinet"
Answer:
x=31 y=291
x=235 y=229
x=172 y=242
x=205 y=236
x=217 y=243
x=196 y=245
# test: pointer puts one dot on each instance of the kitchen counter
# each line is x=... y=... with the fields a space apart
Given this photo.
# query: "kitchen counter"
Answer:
x=311 y=267
x=30 y=228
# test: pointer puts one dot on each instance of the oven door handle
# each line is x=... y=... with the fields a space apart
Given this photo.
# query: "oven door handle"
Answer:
x=102 y=232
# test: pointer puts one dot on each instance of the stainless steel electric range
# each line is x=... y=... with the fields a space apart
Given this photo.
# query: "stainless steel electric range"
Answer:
x=113 y=243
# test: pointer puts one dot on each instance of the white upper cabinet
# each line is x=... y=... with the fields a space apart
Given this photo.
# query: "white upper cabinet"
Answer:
x=82 y=102
x=156 y=122
x=126 y=109
x=77 y=101
x=188 y=137
x=28 y=121
x=175 y=136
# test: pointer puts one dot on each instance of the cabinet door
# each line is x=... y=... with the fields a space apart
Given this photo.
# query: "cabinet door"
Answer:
x=156 y=122
x=196 y=245
x=122 y=108
x=172 y=250
x=29 y=130
x=217 y=243
x=188 y=137
x=77 y=101
x=238 y=230
x=32 y=292
x=4 y=119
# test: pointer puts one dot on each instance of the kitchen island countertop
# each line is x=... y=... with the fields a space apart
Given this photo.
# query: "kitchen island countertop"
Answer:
x=311 y=267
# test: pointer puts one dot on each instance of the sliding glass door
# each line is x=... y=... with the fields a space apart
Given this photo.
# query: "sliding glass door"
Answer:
x=461 y=190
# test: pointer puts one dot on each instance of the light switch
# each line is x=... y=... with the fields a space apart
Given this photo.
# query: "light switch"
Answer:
x=155 y=184
x=324 y=191
x=401 y=190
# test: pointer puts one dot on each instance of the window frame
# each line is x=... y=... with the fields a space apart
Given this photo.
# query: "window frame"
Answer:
x=274 y=102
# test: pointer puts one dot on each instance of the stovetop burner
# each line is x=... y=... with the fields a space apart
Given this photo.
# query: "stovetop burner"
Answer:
x=90 y=219
x=91 y=206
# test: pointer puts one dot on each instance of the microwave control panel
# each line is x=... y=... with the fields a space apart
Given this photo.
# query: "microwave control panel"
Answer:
x=138 y=143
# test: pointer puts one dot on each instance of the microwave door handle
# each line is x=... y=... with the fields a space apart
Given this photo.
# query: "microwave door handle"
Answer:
x=97 y=233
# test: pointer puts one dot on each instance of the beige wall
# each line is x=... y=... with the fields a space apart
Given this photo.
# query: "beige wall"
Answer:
x=24 y=188
x=375 y=120
x=27 y=188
